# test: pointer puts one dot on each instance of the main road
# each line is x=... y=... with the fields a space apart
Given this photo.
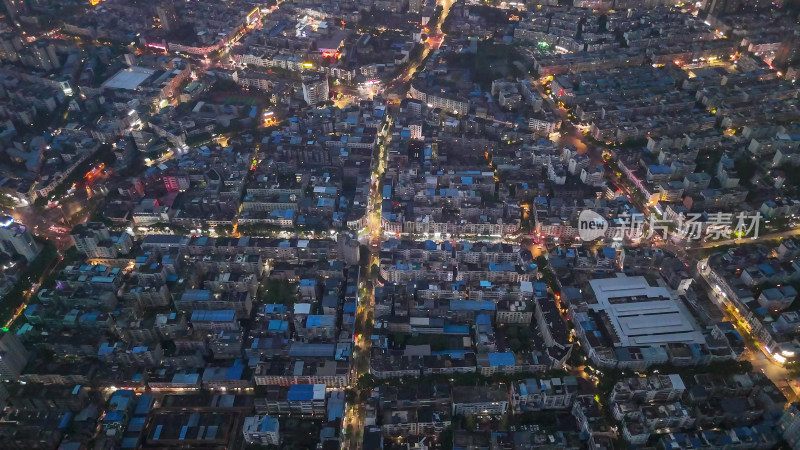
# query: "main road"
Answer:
x=355 y=414
x=400 y=84
x=372 y=236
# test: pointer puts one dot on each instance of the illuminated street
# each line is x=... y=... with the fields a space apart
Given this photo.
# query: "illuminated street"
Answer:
x=422 y=225
x=755 y=354
x=373 y=236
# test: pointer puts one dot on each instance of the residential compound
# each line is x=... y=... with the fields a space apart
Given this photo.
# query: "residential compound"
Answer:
x=665 y=407
x=212 y=285
x=325 y=37
x=452 y=92
x=757 y=284
x=445 y=204
x=444 y=305
x=315 y=183
x=215 y=25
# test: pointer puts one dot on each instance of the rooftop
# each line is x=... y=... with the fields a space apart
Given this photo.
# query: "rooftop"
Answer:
x=643 y=315
x=129 y=78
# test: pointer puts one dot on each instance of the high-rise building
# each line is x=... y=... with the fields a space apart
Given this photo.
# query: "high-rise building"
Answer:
x=15 y=239
x=315 y=88
x=13 y=357
x=416 y=130
x=415 y=6
x=89 y=239
x=167 y=15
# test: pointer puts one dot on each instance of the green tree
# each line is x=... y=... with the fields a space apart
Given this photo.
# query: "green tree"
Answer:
x=503 y=425
x=279 y=292
x=169 y=347
x=375 y=271
x=469 y=423
x=437 y=13
x=350 y=396
x=366 y=381
x=363 y=256
x=746 y=168
x=576 y=357
x=446 y=438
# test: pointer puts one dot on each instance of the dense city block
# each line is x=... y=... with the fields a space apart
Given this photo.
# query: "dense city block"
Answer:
x=422 y=224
